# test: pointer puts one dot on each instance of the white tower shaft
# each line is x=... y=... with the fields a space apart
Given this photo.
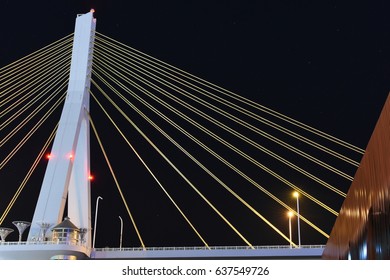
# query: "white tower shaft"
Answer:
x=69 y=167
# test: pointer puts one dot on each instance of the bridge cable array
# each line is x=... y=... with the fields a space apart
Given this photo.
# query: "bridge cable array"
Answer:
x=32 y=88
x=202 y=166
x=116 y=182
x=148 y=169
x=115 y=58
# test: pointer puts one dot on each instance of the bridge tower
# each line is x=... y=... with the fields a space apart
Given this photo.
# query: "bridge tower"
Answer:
x=68 y=169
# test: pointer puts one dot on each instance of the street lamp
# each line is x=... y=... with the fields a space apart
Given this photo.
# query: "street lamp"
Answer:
x=96 y=212
x=4 y=233
x=21 y=226
x=120 y=238
x=296 y=194
x=290 y=214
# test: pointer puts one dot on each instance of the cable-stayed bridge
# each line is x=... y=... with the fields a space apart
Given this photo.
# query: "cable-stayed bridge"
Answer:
x=225 y=165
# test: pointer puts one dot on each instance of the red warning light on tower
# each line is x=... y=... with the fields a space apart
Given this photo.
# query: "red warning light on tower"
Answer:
x=91 y=177
x=49 y=156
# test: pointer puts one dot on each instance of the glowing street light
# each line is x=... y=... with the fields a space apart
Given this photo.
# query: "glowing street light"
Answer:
x=290 y=214
x=296 y=195
x=96 y=212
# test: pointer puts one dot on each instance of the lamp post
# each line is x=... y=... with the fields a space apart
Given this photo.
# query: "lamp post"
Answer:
x=120 y=237
x=290 y=214
x=4 y=233
x=96 y=212
x=21 y=226
x=42 y=233
x=296 y=195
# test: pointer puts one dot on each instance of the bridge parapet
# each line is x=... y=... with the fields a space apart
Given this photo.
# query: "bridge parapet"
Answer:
x=208 y=248
x=265 y=252
x=43 y=250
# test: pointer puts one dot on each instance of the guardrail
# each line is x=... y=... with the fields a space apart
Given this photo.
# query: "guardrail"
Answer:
x=209 y=248
x=13 y=243
x=162 y=248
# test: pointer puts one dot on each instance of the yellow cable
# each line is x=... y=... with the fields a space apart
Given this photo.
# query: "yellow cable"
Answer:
x=202 y=128
x=222 y=159
x=227 y=115
x=246 y=112
x=32 y=69
x=31 y=103
x=31 y=132
x=44 y=90
x=236 y=96
x=150 y=171
x=28 y=175
x=29 y=117
x=32 y=56
x=210 y=173
x=39 y=77
x=179 y=172
x=116 y=181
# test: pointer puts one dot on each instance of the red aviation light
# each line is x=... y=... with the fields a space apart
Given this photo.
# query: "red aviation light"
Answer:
x=91 y=177
x=49 y=156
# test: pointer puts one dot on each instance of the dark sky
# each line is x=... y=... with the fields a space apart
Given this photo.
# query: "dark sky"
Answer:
x=326 y=64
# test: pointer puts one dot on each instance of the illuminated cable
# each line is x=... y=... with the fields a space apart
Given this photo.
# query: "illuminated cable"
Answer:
x=39 y=77
x=206 y=170
x=30 y=133
x=52 y=89
x=116 y=182
x=30 y=116
x=179 y=172
x=232 y=131
x=32 y=68
x=32 y=56
x=28 y=175
x=245 y=112
x=231 y=94
x=31 y=103
x=222 y=141
x=151 y=172
x=216 y=155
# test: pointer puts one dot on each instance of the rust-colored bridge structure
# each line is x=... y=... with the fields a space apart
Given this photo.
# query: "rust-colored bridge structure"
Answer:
x=362 y=230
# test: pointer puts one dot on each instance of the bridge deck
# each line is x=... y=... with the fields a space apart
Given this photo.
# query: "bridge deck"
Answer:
x=259 y=252
x=48 y=250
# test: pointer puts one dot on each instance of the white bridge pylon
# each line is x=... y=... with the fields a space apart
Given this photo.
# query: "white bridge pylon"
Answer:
x=68 y=169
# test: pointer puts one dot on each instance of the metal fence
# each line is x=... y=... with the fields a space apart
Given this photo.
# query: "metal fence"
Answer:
x=210 y=248
x=13 y=243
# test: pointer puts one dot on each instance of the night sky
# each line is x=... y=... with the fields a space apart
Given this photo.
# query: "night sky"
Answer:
x=325 y=64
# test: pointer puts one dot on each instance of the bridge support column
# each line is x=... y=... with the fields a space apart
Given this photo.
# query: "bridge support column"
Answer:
x=68 y=168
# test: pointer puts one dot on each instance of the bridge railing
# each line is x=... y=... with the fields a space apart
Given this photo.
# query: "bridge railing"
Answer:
x=13 y=243
x=209 y=248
